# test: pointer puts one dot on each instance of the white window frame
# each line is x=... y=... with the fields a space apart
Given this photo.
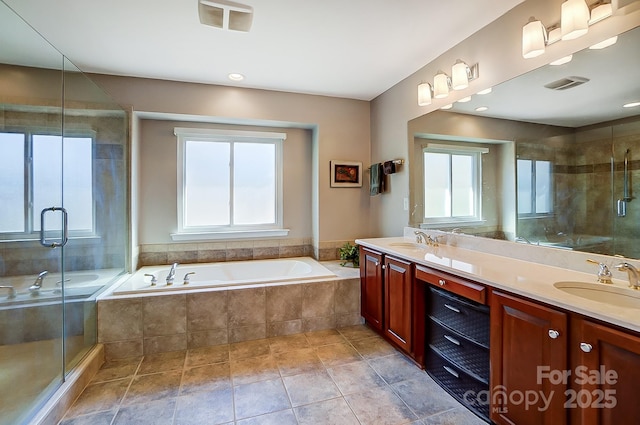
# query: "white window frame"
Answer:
x=534 y=200
x=185 y=233
x=476 y=154
x=30 y=215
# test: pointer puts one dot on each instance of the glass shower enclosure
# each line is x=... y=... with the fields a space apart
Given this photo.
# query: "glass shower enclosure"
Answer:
x=63 y=221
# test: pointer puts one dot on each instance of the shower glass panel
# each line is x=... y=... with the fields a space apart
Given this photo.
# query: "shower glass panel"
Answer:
x=63 y=225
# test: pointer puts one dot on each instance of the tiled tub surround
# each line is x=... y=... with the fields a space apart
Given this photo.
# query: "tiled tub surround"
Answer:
x=262 y=249
x=134 y=325
x=521 y=269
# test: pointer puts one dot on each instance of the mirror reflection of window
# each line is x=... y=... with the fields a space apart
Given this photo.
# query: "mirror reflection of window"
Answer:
x=535 y=187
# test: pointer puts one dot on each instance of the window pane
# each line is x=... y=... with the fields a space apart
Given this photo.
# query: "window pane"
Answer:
x=206 y=184
x=12 y=182
x=254 y=180
x=524 y=181
x=437 y=191
x=47 y=179
x=78 y=182
x=462 y=182
x=543 y=187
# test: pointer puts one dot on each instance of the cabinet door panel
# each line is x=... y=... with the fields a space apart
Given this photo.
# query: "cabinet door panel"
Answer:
x=398 y=302
x=371 y=286
x=607 y=384
x=520 y=344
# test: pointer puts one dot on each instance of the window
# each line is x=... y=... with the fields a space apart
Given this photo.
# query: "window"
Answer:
x=535 y=182
x=36 y=168
x=229 y=184
x=452 y=183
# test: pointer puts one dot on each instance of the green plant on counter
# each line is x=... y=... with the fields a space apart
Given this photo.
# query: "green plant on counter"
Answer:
x=350 y=254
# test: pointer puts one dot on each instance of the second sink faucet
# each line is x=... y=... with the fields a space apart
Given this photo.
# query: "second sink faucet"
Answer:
x=172 y=273
x=632 y=273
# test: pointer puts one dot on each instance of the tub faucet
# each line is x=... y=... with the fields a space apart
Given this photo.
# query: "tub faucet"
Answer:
x=37 y=285
x=172 y=274
x=632 y=273
x=12 y=290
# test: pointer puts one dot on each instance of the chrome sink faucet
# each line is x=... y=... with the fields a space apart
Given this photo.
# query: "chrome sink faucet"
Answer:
x=172 y=274
x=632 y=273
x=37 y=285
x=604 y=274
x=422 y=237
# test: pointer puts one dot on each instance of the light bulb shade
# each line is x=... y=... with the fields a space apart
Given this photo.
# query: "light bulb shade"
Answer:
x=600 y=12
x=424 y=94
x=459 y=76
x=533 y=39
x=574 y=19
x=440 y=85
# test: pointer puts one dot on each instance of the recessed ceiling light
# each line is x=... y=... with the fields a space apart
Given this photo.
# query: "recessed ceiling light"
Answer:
x=236 y=77
x=606 y=43
x=561 y=61
x=465 y=99
x=631 y=105
x=481 y=108
x=486 y=91
x=449 y=106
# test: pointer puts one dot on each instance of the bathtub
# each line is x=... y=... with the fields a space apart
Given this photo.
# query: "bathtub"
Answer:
x=224 y=274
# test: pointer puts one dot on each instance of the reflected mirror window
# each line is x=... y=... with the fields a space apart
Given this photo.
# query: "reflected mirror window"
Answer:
x=535 y=187
x=452 y=189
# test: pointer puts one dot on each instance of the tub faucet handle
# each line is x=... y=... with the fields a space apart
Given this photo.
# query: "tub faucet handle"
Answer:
x=186 y=278
x=154 y=279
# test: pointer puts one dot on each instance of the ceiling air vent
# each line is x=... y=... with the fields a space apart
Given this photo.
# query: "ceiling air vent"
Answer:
x=566 y=83
x=225 y=14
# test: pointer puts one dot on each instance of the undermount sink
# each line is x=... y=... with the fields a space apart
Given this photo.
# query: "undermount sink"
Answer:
x=407 y=245
x=603 y=293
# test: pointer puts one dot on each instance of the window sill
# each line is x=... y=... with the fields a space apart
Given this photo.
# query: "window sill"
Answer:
x=230 y=235
x=448 y=224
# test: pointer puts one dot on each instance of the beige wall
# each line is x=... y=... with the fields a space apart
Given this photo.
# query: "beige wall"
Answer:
x=497 y=48
x=340 y=129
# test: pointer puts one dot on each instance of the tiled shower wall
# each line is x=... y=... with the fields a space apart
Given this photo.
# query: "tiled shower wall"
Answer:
x=153 y=324
x=261 y=249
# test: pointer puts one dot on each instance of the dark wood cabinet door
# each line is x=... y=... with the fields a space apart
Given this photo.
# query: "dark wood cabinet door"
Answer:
x=398 y=302
x=527 y=340
x=371 y=285
x=605 y=375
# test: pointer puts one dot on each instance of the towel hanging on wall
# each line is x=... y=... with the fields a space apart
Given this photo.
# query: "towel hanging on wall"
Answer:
x=376 y=179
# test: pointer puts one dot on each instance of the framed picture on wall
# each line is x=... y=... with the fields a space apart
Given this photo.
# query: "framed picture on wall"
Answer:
x=346 y=173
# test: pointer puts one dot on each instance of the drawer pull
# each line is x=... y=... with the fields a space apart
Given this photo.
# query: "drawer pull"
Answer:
x=553 y=334
x=452 y=308
x=451 y=339
x=451 y=371
x=442 y=282
x=586 y=347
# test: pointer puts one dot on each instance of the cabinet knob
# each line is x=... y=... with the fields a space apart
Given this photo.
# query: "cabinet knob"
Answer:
x=553 y=334
x=442 y=282
x=586 y=347
x=384 y=266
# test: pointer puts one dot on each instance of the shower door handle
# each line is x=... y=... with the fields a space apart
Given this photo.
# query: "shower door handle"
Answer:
x=65 y=231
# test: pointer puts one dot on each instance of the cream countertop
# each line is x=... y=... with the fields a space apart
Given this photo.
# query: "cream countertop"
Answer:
x=529 y=279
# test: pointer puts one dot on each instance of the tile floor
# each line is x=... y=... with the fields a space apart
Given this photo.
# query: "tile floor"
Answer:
x=343 y=376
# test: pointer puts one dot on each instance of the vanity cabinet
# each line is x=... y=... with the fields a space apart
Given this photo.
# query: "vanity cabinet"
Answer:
x=398 y=279
x=526 y=336
x=371 y=287
x=605 y=390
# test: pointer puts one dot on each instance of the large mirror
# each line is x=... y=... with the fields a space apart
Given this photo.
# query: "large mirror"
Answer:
x=553 y=160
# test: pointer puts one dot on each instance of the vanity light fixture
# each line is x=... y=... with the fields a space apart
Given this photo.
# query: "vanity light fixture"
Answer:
x=485 y=91
x=631 y=105
x=534 y=39
x=600 y=12
x=464 y=99
x=424 y=94
x=605 y=43
x=561 y=61
x=461 y=74
x=554 y=34
x=445 y=107
x=481 y=108
x=234 y=76
x=574 y=19
x=441 y=85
